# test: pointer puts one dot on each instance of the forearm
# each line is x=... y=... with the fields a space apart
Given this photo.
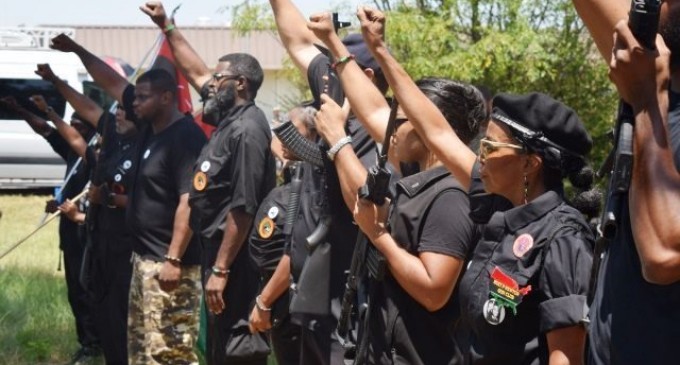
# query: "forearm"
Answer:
x=236 y=230
x=654 y=197
x=351 y=173
x=108 y=79
x=426 y=118
x=566 y=345
x=368 y=103
x=69 y=134
x=297 y=39
x=600 y=17
x=278 y=283
x=36 y=123
x=181 y=233
x=84 y=106
x=189 y=62
x=413 y=276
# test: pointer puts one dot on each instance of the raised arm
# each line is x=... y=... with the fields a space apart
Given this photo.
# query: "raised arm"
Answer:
x=113 y=83
x=84 y=106
x=297 y=39
x=38 y=124
x=68 y=133
x=425 y=117
x=188 y=61
x=368 y=103
x=330 y=121
x=600 y=17
x=642 y=78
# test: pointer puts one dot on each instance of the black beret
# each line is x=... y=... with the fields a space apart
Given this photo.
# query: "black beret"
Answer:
x=356 y=46
x=543 y=115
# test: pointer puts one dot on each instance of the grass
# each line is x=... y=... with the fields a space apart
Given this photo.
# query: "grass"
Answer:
x=36 y=325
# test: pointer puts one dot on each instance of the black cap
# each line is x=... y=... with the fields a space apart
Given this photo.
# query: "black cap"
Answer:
x=356 y=46
x=540 y=121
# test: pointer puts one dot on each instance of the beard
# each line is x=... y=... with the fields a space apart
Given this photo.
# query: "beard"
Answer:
x=218 y=105
x=670 y=31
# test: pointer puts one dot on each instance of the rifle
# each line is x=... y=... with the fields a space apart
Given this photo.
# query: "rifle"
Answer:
x=366 y=258
x=643 y=22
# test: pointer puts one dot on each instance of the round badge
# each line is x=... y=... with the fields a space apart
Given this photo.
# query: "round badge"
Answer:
x=205 y=166
x=200 y=181
x=266 y=228
x=522 y=245
x=494 y=312
x=147 y=153
x=127 y=164
x=273 y=212
x=118 y=177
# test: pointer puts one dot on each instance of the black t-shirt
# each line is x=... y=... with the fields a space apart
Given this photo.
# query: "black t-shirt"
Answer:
x=234 y=170
x=266 y=240
x=163 y=164
x=429 y=214
x=632 y=320
x=68 y=230
x=528 y=276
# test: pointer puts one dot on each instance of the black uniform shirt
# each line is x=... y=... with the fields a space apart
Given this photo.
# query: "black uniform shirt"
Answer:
x=163 y=164
x=116 y=160
x=633 y=321
x=517 y=256
x=430 y=214
x=266 y=240
x=235 y=170
x=68 y=230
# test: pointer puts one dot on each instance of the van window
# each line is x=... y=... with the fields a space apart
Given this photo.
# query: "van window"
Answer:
x=22 y=89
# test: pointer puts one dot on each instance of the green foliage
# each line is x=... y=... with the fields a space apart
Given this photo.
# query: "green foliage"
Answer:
x=515 y=46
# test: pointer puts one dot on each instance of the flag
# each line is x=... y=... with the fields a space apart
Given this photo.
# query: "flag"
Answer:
x=165 y=60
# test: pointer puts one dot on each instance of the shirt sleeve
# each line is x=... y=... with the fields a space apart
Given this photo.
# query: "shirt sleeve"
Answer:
x=58 y=144
x=191 y=140
x=564 y=280
x=448 y=230
x=250 y=157
x=318 y=69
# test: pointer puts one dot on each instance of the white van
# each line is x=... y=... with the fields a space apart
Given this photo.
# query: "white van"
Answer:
x=26 y=159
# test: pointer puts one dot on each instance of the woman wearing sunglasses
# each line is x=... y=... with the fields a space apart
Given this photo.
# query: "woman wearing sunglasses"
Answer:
x=523 y=295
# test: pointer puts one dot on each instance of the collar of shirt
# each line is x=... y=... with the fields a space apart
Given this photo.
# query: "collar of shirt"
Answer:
x=520 y=216
x=234 y=114
x=414 y=184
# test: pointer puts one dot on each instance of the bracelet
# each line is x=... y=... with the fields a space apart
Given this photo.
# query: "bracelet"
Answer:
x=337 y=146
x=260 y=305
x=342 y=60
x=173 y=259
x=220 y=272
x=168 y=28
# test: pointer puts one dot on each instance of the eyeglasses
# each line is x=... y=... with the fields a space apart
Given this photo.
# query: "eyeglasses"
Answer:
x=217 y=76
x=487 y=146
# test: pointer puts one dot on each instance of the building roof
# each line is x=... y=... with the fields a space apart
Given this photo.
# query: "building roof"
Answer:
x=131 y=43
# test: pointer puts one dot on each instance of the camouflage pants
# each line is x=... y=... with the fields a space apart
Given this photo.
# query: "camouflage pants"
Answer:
x=162 y=326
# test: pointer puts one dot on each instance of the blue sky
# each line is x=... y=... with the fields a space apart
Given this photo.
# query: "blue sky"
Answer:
x=126 y=12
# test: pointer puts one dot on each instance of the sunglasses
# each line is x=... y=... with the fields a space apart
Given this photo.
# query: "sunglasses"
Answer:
x=217 y=76
x=487 y=146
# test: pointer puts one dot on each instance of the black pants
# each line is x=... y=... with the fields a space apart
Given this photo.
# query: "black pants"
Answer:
x=285 y=339
x=111 y=280
x=229 y=340
x=319 y=345
x=81 y=304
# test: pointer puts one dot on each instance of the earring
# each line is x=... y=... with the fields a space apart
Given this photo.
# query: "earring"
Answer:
x=526 y=188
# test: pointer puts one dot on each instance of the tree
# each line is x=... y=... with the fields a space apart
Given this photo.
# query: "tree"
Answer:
x=515 y=46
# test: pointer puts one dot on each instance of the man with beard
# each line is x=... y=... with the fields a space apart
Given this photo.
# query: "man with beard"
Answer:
x=165 y=287
x=638 y=286
x=232 y=176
